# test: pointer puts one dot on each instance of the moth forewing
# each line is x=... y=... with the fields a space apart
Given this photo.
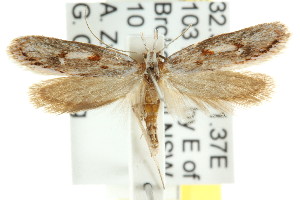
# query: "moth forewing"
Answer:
x=56 y=56
x=231 y=50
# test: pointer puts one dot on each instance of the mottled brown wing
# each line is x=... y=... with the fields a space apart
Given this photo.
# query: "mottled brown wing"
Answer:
x=217 y=89
x=230 y=50
x=55 y=56
x=74 y=94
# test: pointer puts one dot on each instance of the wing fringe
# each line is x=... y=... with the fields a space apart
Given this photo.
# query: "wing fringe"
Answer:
x=74 y=94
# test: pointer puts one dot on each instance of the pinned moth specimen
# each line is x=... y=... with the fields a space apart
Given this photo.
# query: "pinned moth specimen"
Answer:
x=203 y=74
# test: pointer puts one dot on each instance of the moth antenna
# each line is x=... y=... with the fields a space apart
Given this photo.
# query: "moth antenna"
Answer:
x=144 y=41
x=183 y=32
x=88 y=26
x=107 y=46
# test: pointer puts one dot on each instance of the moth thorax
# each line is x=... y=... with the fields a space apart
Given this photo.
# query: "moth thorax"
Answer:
x=150 y=58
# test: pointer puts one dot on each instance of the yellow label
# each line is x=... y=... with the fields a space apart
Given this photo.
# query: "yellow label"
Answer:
x=200 y=192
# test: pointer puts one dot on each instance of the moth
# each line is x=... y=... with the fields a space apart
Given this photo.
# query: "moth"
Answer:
x=204 y=74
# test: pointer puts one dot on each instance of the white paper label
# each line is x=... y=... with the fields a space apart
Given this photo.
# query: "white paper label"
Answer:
x=196 y=153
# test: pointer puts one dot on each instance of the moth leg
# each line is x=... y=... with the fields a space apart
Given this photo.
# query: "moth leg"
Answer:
x=135 y=109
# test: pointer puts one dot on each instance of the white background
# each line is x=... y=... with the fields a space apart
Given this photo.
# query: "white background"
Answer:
x=35 y=160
